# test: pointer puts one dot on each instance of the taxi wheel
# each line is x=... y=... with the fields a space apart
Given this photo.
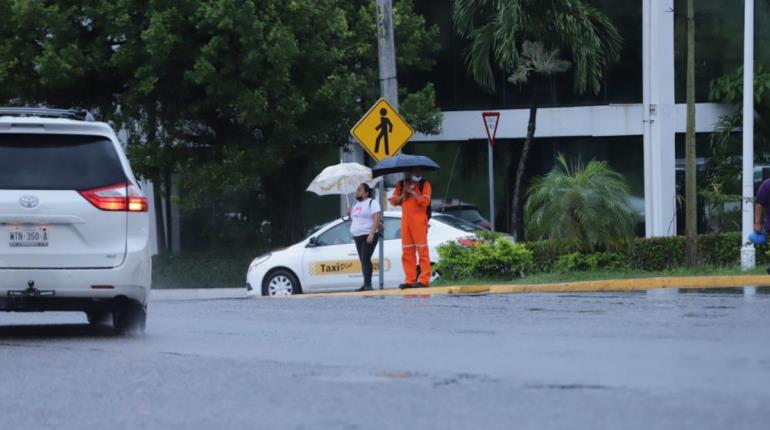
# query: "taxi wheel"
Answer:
x=435 y=275
x=281 y=283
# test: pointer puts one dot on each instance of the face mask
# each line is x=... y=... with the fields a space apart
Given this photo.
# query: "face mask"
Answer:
x=416 y=178
x=360 y=199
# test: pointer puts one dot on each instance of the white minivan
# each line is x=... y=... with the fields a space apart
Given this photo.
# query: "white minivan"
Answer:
x=74 y=227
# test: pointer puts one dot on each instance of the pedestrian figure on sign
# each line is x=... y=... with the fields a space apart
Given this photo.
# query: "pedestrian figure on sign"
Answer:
x=385 y=128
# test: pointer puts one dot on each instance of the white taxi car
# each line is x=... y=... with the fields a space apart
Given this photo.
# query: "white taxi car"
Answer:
x=327 y=260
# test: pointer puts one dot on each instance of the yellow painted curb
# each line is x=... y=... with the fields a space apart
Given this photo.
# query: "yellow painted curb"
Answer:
x=636 y=284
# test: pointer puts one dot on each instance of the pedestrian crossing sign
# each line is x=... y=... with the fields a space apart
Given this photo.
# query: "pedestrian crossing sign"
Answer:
x=382 y=131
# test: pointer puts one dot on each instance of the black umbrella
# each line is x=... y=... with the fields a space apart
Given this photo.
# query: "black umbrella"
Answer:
x=402 y=163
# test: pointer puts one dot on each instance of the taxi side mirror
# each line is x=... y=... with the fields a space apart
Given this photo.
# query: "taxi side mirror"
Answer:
x=313 y=242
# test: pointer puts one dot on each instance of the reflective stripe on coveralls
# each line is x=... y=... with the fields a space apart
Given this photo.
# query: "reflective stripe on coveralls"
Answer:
x=414 y=231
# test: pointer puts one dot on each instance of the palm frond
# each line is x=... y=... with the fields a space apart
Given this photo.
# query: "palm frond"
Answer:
x=580 y=203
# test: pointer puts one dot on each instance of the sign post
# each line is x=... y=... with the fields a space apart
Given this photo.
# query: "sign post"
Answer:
x=491 y=119
x=748 y=254
x=382 y=132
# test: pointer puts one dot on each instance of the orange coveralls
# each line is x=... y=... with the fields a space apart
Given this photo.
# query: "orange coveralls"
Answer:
x=414 y=231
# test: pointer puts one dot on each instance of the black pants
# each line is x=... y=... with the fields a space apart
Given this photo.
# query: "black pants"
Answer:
x=365 y=252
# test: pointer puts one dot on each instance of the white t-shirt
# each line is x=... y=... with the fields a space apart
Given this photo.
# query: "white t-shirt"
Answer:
x=361 y=217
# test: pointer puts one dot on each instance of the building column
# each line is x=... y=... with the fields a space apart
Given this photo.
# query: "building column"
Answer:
x=659 y=117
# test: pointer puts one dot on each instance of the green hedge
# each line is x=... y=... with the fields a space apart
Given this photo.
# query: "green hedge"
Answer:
x=653 y=254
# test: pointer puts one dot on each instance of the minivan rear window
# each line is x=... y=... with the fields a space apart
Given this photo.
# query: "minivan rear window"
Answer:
x=58 y=162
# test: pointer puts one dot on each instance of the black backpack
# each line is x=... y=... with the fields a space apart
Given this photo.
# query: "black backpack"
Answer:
x=429 y=209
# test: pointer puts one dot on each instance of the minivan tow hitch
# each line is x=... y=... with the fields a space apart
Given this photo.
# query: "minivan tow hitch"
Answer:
x=25 y=300
x=31 y=291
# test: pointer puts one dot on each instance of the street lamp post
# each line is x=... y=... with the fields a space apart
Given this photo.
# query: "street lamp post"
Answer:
x=747 y=251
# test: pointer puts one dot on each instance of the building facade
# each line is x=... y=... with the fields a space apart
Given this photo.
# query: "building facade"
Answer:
x=635 y=123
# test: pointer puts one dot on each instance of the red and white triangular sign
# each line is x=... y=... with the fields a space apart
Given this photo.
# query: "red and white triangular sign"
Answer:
x=491 y=120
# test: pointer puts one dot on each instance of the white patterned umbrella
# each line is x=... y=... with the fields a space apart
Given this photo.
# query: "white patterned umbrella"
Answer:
x=342 y=178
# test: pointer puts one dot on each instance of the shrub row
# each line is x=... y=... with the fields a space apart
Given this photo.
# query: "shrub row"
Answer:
x=503 y=259
x=653 y=254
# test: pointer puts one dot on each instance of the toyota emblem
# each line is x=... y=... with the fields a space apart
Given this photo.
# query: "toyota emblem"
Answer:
x=29 y=201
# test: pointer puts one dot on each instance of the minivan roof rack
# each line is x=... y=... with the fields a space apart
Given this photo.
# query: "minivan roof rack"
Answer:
x=76 y=114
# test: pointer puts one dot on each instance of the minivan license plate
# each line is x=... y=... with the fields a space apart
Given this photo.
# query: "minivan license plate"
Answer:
x=28 y=236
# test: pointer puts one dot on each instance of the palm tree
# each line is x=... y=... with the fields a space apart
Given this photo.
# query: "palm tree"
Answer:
x=535 y=60
x=496 y=30
x=582 y=205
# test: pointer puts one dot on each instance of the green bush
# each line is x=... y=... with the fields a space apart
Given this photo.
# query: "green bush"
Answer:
x=655 y=254
x=578 y=262
x=486 y=259
x=545 y=253
x=648 y=254
x=720 y=249
x=453 y=261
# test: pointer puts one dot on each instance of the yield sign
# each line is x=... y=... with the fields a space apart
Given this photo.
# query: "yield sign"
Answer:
x=491 y=119
x=382 y=131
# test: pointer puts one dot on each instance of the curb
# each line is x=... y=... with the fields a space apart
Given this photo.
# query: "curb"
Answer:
x=638 y=284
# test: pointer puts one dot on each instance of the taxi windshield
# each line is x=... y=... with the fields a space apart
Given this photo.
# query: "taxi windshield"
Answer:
x=457 y=223
x=316 y=228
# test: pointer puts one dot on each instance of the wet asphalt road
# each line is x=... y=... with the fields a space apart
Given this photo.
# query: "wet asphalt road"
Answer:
x=651 y=360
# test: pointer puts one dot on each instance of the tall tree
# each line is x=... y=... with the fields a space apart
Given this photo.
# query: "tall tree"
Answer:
x=538 y=65
x=496 y=30
x=691 y=208
x=223 y=96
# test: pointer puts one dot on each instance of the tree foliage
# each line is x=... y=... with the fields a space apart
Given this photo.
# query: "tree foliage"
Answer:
x=721 y=181
x=225 y=95
x=584 y=205
x=535 y=59
x=496 y=30
x=499 y=33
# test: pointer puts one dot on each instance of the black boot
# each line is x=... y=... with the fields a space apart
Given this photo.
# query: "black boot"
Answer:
x=365 y=288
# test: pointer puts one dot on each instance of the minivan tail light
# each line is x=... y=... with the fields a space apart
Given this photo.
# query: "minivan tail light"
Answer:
x=123 y=197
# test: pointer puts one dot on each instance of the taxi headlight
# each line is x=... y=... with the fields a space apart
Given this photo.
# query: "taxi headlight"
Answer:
x=257 y=261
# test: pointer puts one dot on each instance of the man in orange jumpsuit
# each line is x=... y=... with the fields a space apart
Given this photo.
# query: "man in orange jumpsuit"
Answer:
x=413 y=195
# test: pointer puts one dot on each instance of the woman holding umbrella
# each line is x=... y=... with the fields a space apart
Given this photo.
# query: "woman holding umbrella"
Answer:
x=365 y=221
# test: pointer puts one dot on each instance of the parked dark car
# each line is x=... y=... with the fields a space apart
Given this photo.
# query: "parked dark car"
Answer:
x=462 y=210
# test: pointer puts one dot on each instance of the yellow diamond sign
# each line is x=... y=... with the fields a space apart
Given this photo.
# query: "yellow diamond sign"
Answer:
x=382 y=131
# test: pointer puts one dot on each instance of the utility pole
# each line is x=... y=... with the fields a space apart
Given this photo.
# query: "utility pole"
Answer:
x=386 y=51
x=747 y=224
